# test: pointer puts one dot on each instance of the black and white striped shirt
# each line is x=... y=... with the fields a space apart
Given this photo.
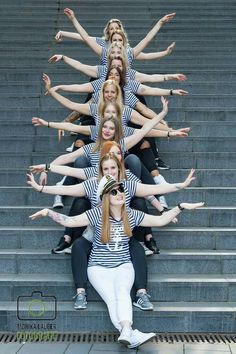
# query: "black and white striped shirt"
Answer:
x=116 y=252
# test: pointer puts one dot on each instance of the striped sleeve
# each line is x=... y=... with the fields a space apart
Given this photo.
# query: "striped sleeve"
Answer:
x=101 y=71
x=97 y=84
x=100 y=41
x=132 y=86
x=94 y=216
x=104 y=56
x=126 y=115
x=135 y=217
x=131 y=73
x=127 y=131
x=90 y=172
x=130 y=99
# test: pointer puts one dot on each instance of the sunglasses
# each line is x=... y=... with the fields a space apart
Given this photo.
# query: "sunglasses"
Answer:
x=115 y=191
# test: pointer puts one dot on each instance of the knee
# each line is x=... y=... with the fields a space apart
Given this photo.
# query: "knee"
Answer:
x=79 y=143
x=145 y=145
x=81 y=162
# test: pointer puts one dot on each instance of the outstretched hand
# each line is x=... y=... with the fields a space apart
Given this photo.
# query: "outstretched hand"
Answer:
x=165 y=103
x=39 y=122
x=47 y=82
x=190 y=178
x=31 y=181
x=180 y=92
x=191 y=206
x=37 y=168
x=55 y=58
x=179 y=133
x=170 y=48
x=69 y=13
x=167 y=18
x=39 y=214
x=58 y=37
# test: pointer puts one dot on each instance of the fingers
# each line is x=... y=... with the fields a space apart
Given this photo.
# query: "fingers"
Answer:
x=181 y=77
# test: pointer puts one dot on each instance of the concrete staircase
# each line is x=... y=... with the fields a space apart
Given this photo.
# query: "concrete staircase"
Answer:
x=192 y=281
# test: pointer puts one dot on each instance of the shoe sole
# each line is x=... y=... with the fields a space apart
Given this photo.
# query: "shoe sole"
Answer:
x=80 y=308
x=141 y=308
x=163 y=168
x=149 y=253
x=131 y=346
x=124 y=341
x=58 y=206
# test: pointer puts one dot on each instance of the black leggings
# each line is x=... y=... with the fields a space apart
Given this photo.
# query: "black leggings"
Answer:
x=79 y=261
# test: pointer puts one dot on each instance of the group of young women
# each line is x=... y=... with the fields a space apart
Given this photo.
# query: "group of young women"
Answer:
x=110 y=173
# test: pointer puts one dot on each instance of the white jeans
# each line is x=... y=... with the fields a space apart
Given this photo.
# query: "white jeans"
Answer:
x=114 y=285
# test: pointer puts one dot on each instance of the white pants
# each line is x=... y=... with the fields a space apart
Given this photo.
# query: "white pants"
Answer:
x=114 y=285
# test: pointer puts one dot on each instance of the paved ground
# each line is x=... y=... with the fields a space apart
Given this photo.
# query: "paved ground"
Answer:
x=149 y=348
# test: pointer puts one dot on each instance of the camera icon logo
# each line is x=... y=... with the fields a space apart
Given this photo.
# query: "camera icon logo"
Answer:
x=36 y=307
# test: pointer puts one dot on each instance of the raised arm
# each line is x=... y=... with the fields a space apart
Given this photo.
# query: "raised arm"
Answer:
x=81 y=108
x=151 y=34
x=156 y=55
x=86 y=38
x=71 y=35
x=167 y=217
x=79 y=88
x=90 y=70
x=148 y=189
x=132 y=140
x=67 y=221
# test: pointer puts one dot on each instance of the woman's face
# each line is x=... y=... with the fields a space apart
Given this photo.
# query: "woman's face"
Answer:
x=112 y=28
x=117 y=38
x=117 y=199
x=116 y=151
x=114 y=75
x=117 y=63
x=109 y=93
x=109 y=167
x=115 y=52
x=109 y=111
x=108 y=130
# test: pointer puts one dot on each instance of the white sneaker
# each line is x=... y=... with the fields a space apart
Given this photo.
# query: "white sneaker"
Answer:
x=162 y=200
x=147 y=251
x=125 y=336
x=70 y=148
x=58 y=202
x=138 y=338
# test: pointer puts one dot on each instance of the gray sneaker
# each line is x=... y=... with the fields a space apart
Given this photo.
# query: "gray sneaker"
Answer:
x=80 y=301
x=142 y=301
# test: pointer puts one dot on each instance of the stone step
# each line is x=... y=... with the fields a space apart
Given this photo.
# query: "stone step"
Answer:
x=167 y=238
x=167 y=317
x=224 y=196
x=191 y=115
x=42 y=143
x=168 y=288
x=186 y=160
x=205 y=178
x=189 y=101
x=167 y=262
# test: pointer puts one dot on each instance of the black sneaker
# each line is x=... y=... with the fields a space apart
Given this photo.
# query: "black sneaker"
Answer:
x=61 y=247
x=80 y=301
x=161 y=164
x=151 y=244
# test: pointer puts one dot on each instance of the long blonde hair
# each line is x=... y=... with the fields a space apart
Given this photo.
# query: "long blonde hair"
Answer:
x=120 y=165
x=122 y=34
x=123 y=51
x=119 y=97
x=117 y=136
x=106 y=28
x=106 y=227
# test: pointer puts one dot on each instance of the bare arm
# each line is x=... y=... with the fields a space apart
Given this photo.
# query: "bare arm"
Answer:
x=86 y=38
x=148 y=125
x=81 y=108
x=87 y=87
x=155 y=91
x=82 y=129
x=148 y=189
x=72 y=35
x=141 y=77
x=151 y=34
x=77 y=190
x=62 y=170
x=68 y=221
x=90 y=70
x=167 y=217
x=156 y=55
